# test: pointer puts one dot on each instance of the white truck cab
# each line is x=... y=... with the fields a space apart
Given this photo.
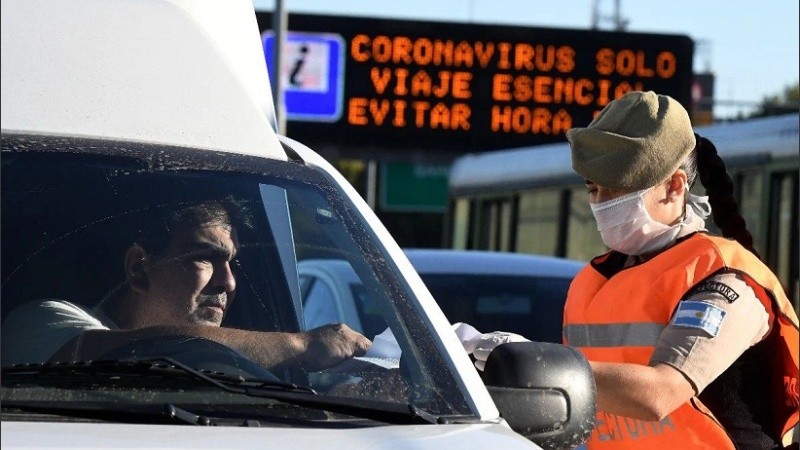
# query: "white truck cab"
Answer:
x=114 y=112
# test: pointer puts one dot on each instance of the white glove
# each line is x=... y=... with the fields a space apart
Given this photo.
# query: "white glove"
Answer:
x=468 y=335
x=488 y=341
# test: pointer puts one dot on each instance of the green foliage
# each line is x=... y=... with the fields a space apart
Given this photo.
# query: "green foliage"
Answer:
x=786 y=102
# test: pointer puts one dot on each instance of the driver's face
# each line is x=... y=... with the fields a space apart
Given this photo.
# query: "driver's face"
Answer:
x=192 y=282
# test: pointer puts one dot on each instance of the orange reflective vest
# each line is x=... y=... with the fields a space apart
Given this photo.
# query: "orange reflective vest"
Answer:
x=617 y=317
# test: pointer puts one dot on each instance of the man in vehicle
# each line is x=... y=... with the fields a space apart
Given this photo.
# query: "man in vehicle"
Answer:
x=178 y=281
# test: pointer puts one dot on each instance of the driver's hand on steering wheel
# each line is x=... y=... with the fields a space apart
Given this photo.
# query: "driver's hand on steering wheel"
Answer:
x=329 y=345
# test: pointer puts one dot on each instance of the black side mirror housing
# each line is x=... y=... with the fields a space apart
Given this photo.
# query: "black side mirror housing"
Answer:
x=545 y=392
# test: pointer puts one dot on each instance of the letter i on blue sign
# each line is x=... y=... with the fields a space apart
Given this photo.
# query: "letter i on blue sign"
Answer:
x=312 y=75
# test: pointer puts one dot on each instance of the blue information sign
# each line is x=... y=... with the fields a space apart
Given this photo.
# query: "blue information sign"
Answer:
x=312 y=75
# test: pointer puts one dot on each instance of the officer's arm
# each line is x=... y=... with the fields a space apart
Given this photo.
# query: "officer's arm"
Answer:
x=638 y=391
x=690 y=352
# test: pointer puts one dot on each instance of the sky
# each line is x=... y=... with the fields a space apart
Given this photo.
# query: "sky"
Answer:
x=750 y=46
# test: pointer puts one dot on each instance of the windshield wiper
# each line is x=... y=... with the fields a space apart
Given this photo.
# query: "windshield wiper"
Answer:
x=136 y=372
x=171 y=373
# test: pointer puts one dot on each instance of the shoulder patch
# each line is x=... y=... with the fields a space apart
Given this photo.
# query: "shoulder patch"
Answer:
x=700 y=315
x=715 y=286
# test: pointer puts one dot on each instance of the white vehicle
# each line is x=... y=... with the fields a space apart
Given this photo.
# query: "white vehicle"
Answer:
x=112 y=111
x=513 y=292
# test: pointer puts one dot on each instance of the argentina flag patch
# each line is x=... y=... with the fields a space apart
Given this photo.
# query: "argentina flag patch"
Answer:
x=701 y=315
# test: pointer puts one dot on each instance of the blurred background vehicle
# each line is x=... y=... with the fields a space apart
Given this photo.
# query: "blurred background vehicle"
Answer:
x=491 y=291
x=499 y=199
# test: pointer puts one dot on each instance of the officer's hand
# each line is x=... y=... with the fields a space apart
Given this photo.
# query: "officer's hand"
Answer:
x=329 y=345
x=488 y=341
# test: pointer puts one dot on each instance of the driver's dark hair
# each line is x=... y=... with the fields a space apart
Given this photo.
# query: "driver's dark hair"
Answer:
x=156 y=227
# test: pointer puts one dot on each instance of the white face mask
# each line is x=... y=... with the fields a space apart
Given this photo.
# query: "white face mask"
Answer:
x=626 y=226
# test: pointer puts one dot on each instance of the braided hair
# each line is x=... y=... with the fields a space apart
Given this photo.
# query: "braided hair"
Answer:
x=705 y=162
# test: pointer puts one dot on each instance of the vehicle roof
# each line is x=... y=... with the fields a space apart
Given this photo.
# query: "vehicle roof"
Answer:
x=339 y=269
x=479 y=262
x=467 y=262
x=177 y=72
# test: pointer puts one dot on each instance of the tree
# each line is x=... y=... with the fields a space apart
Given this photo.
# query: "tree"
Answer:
x=785 y=102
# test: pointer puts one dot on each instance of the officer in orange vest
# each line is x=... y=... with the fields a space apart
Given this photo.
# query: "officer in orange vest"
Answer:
x=691 y=338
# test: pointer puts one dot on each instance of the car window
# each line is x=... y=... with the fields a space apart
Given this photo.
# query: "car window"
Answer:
x=333 y=292
x=71 y=208
x=372 y=323
x=530 y=306
x=503 y=303
x=319 y=304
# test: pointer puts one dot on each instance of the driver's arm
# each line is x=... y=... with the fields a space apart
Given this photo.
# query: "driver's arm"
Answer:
x=313 y=350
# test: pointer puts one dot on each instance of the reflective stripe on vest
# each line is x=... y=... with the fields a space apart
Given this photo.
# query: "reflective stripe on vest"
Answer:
x=643 y=334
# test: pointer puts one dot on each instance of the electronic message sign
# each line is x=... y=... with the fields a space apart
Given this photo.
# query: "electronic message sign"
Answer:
x=465 y=87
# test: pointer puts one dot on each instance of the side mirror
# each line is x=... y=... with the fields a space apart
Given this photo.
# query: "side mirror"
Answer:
x=544 y=391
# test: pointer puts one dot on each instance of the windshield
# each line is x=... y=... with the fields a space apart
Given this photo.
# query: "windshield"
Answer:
x=126 y=252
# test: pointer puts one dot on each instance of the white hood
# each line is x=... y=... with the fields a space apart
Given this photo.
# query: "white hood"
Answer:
x=19 y=435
